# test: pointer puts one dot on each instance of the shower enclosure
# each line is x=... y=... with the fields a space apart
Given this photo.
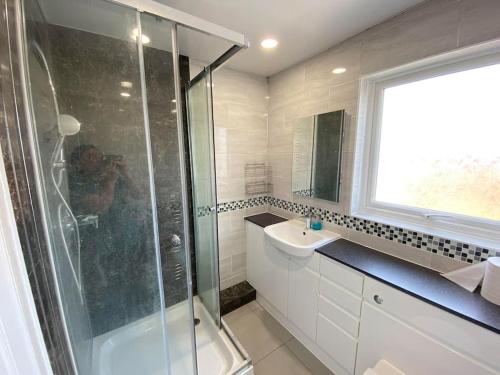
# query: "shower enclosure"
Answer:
x=114 y=143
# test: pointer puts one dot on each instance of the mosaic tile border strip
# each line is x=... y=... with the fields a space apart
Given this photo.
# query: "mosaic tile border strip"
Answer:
x=242 y=203
x=435 y=244
x=233 y=205
x=438 y=245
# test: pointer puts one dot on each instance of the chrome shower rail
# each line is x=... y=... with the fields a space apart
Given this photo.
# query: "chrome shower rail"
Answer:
x=185 y=19
x=221 y=60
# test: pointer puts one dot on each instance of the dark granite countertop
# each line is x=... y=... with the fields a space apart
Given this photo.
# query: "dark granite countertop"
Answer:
x=420 y=282
x=265 y=219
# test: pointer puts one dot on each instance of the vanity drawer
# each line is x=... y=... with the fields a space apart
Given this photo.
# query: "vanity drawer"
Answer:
x=336 y=343
x=338 y=316
x=340 y=296
x=342 y=275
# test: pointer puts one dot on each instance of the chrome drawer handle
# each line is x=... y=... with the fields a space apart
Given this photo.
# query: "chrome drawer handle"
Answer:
x=378 y=299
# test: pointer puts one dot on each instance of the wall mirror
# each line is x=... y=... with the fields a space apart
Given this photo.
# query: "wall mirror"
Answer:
x=317 y=156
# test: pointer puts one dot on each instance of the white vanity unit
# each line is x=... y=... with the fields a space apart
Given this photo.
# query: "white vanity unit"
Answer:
x=351 y=321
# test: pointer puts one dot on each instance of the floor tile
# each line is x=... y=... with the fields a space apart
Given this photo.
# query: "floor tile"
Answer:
x=256 y=337
x=280 y=362
x=312 y=363
x=253 y=305
x=239 y=312
x=272 y=324
x=273 y=350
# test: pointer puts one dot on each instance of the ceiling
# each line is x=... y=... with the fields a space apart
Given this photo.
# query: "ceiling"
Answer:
x=303 y=28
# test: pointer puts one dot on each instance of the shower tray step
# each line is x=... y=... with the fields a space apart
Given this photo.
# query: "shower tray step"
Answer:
x=236 y=296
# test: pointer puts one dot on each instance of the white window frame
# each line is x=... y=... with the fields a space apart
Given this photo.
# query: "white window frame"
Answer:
x=481 y=232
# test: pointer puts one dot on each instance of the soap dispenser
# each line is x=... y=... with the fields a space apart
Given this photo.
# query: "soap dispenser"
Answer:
x=316 y=223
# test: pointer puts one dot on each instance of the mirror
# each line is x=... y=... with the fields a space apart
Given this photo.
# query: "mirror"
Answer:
x=317 y=156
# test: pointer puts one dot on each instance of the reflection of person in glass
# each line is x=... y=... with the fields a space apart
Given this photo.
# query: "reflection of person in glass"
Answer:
x=97 y=179
x=115 y=252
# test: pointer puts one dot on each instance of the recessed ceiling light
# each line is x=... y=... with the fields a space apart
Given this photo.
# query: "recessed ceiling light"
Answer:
x=269 y=43
x=267 y=97
x=125 y=94
x=145 y=38
x=126 y=84
x=339 y=70
x=173 y=101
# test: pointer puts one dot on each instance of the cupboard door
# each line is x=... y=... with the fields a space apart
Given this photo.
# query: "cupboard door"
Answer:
x=382 y=336
x=275 y=278
x=303 y=289
x=267 y=268
x=255 y=255
x=468 y=338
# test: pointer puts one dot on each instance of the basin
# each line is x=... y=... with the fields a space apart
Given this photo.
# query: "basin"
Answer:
x=293 y=238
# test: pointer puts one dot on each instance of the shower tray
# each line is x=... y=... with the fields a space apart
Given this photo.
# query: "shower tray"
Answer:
x=137 y=348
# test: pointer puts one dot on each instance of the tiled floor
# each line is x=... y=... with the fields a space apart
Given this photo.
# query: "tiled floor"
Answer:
x=272 y=348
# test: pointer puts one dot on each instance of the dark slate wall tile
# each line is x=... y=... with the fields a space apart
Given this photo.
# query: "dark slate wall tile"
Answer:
x=120 y=273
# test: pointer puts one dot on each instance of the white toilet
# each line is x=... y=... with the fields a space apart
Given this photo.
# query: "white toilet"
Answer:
x=383 y=368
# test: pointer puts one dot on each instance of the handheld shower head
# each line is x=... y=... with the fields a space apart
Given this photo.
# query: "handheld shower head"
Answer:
x=68 y=125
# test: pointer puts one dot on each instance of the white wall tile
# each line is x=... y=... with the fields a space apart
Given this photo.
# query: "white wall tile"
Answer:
x=478 y=21
x=238 y=263
x=225 y=268
x=241 y=137
x=233 y=280
x=421 y=32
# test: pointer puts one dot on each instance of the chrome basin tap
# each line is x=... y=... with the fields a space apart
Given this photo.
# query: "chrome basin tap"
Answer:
x=307 y=218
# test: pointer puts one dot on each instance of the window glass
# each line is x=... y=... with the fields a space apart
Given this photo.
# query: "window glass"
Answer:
x=440 y=144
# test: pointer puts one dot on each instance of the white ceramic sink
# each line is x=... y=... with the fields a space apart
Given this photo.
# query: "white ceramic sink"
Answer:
x=293 y=238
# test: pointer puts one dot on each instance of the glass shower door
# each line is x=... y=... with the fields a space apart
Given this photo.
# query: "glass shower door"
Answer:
x=201 y=141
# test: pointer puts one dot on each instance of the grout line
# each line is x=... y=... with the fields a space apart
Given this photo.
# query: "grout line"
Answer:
x=268 y=354
x=238 y=317
x=288 y=348
x=310 y=370
x=284 y=343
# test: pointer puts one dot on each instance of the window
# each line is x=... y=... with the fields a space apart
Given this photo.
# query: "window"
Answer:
x=430 y=159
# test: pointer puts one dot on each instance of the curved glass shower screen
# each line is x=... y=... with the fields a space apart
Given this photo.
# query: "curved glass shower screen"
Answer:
x=104 y=96
x=100 y=83
x=201 y=142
